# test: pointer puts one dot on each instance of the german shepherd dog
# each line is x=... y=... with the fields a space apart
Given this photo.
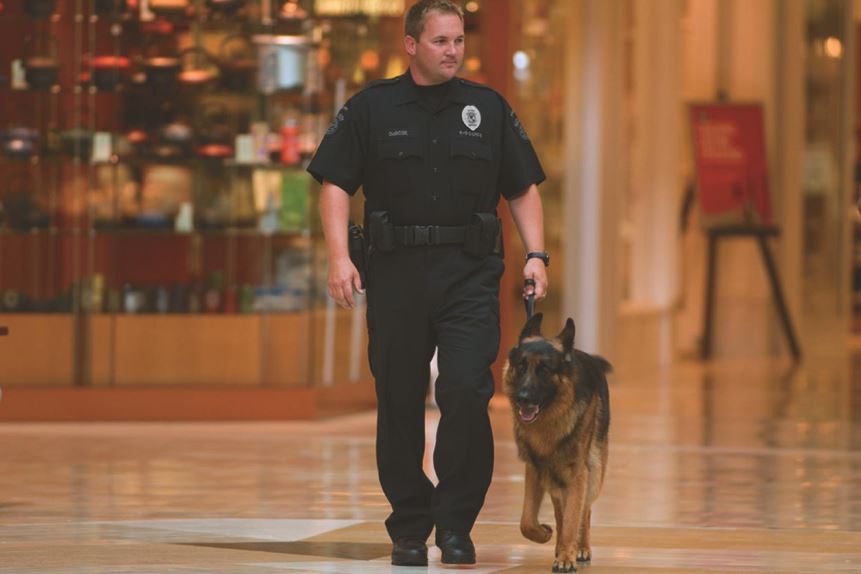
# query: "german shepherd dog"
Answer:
x=561 y=407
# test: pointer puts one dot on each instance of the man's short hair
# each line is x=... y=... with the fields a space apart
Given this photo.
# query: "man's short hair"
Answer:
x=414 y=21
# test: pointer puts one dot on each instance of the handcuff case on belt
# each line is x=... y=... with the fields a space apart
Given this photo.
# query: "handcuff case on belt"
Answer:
x=482 y=235
x=382 y=231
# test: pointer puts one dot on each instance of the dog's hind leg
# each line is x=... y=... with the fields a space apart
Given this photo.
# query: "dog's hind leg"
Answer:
x=558 y=505
x=597 y=465
x=584 y=549
x=533 y=495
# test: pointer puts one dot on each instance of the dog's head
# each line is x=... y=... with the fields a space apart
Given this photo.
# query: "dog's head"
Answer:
x=539 y=369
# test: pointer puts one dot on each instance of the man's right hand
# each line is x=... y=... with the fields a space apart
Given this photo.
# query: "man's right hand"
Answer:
x=343 y=280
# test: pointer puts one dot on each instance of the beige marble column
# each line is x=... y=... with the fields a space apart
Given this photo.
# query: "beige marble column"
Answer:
x=594 y=182
x=654 y=186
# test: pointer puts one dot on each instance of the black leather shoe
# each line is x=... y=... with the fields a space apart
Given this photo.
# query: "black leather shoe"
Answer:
x=457 y=547
x=409 y=552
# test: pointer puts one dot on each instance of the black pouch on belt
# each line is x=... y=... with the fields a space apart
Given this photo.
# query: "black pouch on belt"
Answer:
x=356 y=246
x=382 y=232
x=482 y=234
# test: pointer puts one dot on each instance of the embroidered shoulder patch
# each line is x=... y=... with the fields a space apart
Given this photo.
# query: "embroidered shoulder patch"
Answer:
x=518 y=127
x=337 y=121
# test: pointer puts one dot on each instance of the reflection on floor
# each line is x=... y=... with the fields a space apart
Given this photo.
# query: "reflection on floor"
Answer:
x=730 y=467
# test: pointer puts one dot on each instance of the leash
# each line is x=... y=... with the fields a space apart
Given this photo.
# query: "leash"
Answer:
x=529 y=302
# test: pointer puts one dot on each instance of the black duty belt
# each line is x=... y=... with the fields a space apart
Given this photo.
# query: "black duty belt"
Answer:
x=420 y=235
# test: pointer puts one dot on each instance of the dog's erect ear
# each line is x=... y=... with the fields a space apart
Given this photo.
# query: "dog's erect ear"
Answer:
x=532 y=327
x=567 y=338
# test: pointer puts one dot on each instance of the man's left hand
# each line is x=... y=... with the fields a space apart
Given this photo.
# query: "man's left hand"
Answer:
x=535 y=270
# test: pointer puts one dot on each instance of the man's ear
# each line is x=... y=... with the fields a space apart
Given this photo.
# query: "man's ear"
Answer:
x=410 y=45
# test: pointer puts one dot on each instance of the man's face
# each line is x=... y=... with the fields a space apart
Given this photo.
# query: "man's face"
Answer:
x=437 y=55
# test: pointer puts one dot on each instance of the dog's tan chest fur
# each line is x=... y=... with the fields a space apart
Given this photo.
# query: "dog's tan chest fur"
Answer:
x=544 y=439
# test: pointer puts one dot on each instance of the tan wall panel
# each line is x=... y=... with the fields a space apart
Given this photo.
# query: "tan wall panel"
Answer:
x=345 y=349
x=188 y=349
x=101 y=350
x=289 y=346
x=37 y=350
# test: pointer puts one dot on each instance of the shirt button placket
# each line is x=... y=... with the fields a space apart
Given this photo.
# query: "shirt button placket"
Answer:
x=435 y=159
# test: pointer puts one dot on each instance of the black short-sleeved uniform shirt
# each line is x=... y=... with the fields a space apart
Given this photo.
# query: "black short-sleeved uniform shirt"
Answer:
x=428 y=163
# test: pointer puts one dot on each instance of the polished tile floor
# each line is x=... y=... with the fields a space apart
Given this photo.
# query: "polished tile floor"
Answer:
x=750 y=466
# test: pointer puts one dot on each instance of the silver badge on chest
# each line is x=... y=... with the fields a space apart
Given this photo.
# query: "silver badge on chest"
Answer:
x=471 y=117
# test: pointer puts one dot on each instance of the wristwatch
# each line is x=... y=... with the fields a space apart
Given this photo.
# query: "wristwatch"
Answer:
x=542 y=255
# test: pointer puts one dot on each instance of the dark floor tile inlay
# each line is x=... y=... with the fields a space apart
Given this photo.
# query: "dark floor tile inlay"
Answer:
x=346 y=550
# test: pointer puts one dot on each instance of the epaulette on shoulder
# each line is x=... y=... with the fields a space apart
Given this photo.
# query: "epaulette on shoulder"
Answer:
x=383 y=82
x=472 y=84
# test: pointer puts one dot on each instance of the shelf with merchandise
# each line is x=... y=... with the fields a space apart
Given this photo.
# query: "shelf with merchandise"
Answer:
x=117 y=219
x=196 y=160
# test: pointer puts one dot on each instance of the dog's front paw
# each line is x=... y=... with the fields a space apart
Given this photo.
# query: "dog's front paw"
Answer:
x=564 y=562
x=539 y=533
x=584 y=555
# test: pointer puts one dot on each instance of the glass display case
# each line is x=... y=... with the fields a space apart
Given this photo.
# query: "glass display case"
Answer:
x=157 y=225
x=538 y=32
x=829 y=214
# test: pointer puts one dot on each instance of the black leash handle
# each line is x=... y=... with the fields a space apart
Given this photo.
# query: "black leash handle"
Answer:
x=530 y=300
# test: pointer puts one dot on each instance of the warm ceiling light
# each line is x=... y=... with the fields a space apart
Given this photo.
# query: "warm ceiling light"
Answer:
x=369 y=60
x=520 y=60
x=833 y=47
x=472 y=6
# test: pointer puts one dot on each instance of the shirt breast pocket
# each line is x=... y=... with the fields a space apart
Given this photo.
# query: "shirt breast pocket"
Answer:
x=472 y=172
x=401 y=162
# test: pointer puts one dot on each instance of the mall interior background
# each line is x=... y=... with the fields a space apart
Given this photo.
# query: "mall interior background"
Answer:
x=159 y=241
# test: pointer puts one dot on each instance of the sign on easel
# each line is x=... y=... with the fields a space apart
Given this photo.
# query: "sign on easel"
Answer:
x=732 y=184
x=731 y=164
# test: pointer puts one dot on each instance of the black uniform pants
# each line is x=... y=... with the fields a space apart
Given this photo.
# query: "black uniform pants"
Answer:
x=420 y=298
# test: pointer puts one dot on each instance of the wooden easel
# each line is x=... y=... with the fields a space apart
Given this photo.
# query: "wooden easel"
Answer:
x=736 y=151
x=760 y=234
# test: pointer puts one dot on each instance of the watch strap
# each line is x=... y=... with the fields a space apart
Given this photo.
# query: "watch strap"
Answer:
x=542 y=255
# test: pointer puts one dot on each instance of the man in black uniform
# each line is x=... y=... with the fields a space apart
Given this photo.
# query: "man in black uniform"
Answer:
x=433 y=153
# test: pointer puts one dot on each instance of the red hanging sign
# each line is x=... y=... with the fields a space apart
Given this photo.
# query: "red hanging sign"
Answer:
x=731 y=164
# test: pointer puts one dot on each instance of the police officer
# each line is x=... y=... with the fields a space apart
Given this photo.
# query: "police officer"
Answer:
x=433 y=154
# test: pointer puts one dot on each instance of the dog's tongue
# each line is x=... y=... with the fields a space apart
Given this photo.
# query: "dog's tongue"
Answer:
x=529 y=413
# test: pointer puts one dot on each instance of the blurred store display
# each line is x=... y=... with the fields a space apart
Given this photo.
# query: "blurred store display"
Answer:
x=359 y=7
x=152 y=156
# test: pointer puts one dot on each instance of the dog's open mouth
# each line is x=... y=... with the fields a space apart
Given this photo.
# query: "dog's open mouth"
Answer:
x=528 y=413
